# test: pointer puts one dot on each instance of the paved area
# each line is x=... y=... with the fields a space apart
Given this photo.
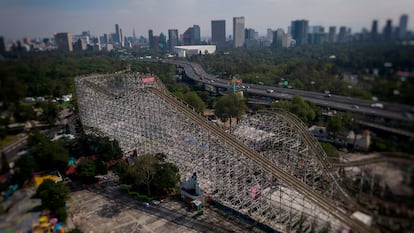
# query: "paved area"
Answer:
x=106 y=208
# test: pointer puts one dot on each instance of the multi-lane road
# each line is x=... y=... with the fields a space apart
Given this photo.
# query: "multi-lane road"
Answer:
x=390 y=111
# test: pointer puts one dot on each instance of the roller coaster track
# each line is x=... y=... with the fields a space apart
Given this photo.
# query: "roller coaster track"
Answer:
x=321 y=201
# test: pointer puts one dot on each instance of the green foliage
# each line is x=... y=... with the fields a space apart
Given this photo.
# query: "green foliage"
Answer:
x=298 y=106
x=61 y=214
x=195 y=101
x=330 y=150
x=152 y=174
x=53 y=195
x=310 y=68
x=50 y=112
x=87 y=170
x=24 y=168
x=229 y=106
x=335 y=125
x=47 y=154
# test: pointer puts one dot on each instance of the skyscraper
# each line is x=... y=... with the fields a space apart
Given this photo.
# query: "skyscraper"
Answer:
x=218 y=33
x=188 y=36
x=374 y=30
x=342 y=35
x=64 y=41
x=387 y=32
x=402 y=27
x=238 y=32
x=299 y=29
x=118 y=36
x=197 y=36
x=332 y=34
x=151 y=39
x=172 y=38
x=278 y=38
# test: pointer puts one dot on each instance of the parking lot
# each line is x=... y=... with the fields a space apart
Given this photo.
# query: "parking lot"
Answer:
x=106 y=208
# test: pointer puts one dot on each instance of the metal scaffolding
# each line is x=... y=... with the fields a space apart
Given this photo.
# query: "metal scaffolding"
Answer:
x=136 y=110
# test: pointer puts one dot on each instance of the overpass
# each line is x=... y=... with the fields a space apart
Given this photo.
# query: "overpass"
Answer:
x=289 y=186
x=391 y=111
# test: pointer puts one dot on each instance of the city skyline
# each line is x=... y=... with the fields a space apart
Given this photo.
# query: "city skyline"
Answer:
x=40 y=19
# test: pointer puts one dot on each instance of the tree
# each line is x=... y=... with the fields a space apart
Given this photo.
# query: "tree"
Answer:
x=166 y=178
x=195 y=101
x=87 y=170
x=229 y=106
x=53 y=195
x=143 y=171
x=24 y=168
x=335 y=125
x=48 y=155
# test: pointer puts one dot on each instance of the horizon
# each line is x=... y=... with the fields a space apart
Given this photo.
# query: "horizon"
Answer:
x=41 y=19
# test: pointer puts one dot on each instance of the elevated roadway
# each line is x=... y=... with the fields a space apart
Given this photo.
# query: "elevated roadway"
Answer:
x=390 y=111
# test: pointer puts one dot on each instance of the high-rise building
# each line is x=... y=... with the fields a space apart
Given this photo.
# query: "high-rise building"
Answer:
x=278 y=37
x=342 y=35
x=118 y=35
x=2 y=46
x=192 y=36
x=188 y=36
x=238 y=32
x=387 y=32
x=374 y=30
x=402 y=27
x=64 y=41
x=172 y=38
x=299 y=29
x=269 y=34
x=107 y=38
x=197 y=35
x=151 y=39
x=218 y=33
x=162 y=41
x=332 y=34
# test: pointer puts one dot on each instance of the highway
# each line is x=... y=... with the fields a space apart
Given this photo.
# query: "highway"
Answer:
x=288 y=179
x=390 y=111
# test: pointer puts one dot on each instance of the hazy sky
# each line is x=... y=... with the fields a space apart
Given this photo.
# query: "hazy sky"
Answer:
x=42 y=18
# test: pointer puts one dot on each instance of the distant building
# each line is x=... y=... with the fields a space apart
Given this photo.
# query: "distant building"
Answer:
x=192 y=36
x=374 y=30
x=299 y=29
x=238 y=32
x=388 y=30
x=332 y=34
x=342 y=35
x=64 y=41
x=118 y=35
x=218 y=33
x=80 y=45
x=151 y=39
x=162 y=41
x=402 y=27
x=2 y=46
x=190 y=50
x=197 y=34
x=172 y=38
x=279 y=39
x=188 y=36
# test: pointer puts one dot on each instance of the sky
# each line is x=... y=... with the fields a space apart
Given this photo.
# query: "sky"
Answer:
x=43 y=18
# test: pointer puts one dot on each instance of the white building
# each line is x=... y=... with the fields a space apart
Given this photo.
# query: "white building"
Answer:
x=190 y=50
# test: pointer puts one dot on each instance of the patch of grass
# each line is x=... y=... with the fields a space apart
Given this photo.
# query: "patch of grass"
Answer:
x=7 y=140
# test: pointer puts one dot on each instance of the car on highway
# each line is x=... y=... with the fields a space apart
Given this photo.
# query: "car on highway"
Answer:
x=377 y=105
x=355 y=106
x=269 y=91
